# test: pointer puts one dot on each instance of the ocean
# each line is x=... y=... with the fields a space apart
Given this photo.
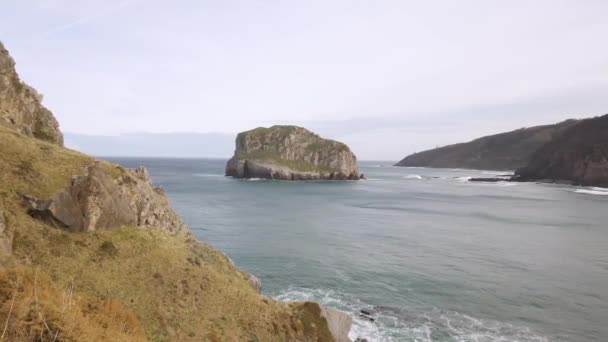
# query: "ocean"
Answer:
x=429 y=255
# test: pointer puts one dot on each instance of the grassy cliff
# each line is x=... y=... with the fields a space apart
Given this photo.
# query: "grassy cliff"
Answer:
x=163 y=286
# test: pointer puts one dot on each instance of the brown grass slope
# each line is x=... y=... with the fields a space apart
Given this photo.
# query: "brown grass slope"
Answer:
x=177 y=288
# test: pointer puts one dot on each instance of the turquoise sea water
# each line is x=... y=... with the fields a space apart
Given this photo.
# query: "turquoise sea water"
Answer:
x=431 y=256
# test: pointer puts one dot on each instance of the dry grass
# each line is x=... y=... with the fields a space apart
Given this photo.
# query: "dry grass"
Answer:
x=33 y=309
x=179 y=289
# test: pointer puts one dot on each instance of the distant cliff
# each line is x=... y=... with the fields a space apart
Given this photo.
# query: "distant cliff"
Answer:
x=579 y=155
x=20 y=105
x=505 y=151
x=291 y=153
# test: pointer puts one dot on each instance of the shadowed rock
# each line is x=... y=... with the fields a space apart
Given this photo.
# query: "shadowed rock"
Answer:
x=291 y=153
x=505 y=151
x=579 y=156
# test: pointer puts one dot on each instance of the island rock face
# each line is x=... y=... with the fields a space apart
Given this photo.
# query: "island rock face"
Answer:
x=20 y=105
x=578 y=156
x=291 y=153
x=505 y=151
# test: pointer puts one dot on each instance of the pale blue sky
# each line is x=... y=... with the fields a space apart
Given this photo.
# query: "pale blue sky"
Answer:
x=387 y=77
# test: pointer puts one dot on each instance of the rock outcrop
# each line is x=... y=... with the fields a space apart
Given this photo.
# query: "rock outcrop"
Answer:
x=291 y=153
x=101 y=200
x=339 y=323
x=505 y=151
x=578 y=156
x=254 y=282
x=20 y=105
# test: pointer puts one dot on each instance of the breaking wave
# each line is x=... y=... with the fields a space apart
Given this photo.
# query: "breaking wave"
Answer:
x=390 y=324
x=593 y=191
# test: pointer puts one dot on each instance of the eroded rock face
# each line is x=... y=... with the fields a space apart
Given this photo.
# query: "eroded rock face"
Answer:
x=339 y=323
x=291 y=153
x=101 y=200
x=579 y=156
x=20 y=105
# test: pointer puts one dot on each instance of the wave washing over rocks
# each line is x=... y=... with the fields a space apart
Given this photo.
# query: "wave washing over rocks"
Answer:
x=391 y=324
x=593 y=191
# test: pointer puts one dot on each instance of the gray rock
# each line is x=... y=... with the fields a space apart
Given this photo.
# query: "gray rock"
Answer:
x=254 y=282
x=291 y=153
x=99 y=200
x=339 y=323
x=21 y=106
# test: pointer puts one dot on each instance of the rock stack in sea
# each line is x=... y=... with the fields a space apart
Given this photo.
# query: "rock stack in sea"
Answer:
x=291 y=153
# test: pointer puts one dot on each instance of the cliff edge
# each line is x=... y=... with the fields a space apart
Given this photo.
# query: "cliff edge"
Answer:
x=92 y=251
x=291 y=153
x=578 y=156
x=21 y=105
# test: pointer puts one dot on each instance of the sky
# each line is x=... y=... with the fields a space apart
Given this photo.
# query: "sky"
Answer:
x=386 y=77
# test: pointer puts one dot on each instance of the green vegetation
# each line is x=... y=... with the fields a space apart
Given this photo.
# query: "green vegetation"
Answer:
x=271 y=145
x=170 y=286
x=274 y=158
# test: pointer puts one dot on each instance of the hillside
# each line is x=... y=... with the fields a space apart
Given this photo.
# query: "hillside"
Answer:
x=579 y=155
x=92 y=251
x=505 y=151
x=291 y=153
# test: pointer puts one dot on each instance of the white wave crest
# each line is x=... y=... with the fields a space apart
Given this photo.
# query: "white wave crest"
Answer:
x=593 y=191
x=208 y=175
x=407 y=324
x=413 y=176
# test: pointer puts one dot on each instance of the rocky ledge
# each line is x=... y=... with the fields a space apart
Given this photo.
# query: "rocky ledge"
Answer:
x=106 y=197
x=21 y=106
x=291 y=153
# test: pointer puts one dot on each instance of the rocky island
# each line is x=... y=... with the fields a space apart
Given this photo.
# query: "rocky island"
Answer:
x=291 y=153
x=92 y=251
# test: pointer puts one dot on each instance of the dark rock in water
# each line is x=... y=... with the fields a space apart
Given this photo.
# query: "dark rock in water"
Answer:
x=365 y=314
x=490 y=179
x=362 y=176
x=291 y=153
x=578 y=156
x=361 y=339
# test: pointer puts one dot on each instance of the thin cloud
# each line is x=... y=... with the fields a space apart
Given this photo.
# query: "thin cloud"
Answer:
x=86 y=19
